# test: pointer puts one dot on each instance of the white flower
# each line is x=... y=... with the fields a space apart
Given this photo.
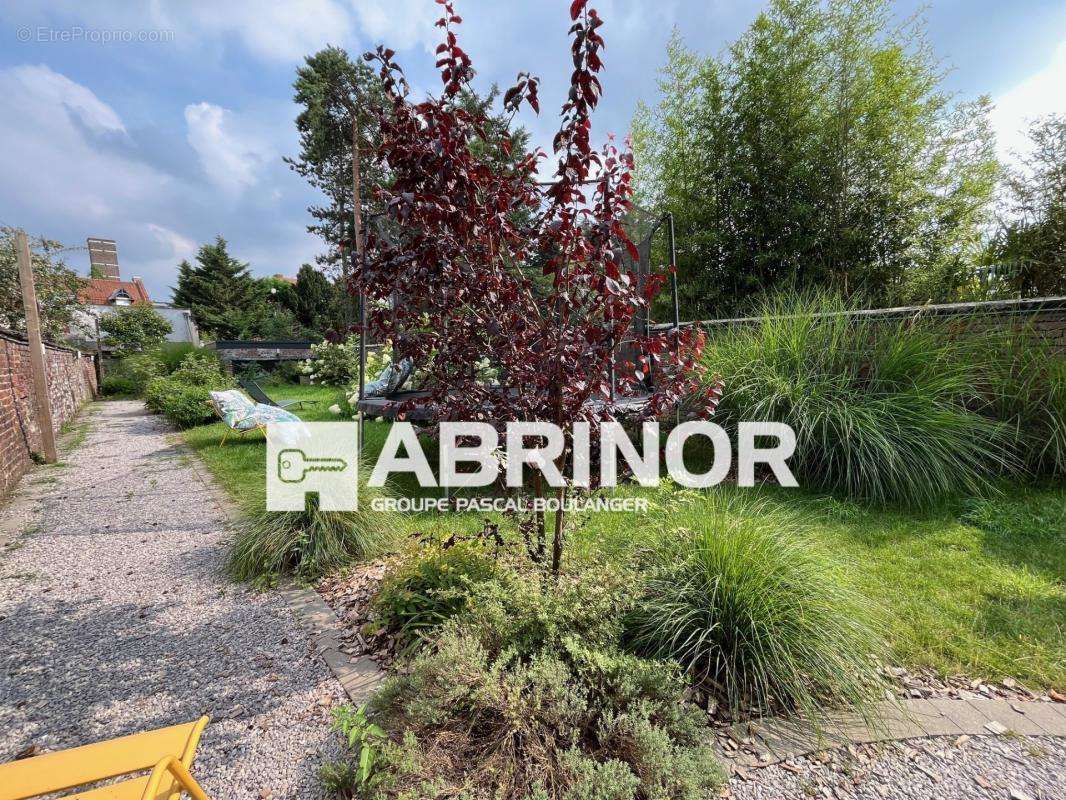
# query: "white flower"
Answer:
x=335 y=409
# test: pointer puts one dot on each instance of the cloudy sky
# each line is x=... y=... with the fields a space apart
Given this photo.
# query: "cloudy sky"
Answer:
x=173 y=132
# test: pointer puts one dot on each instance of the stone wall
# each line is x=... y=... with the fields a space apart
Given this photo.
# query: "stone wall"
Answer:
x=1046 y=316
x=71 y=382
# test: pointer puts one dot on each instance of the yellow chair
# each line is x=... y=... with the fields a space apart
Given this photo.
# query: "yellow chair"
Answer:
x=167 y=752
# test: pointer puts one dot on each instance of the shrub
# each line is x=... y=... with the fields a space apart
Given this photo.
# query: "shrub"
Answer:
x=429 y=587
x=184 y=397
x=333 y=363
x=758 y=615
x=310 y=543
x=201 y=368
x=287 y=372
x=118 y=384
x=141 y=369
x=527 y=693
x=365 y=742
x=252 y=371
x=171 y=354
x=881 y=409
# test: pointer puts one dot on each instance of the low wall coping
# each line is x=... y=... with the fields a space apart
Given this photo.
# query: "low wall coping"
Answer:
x=20 y=338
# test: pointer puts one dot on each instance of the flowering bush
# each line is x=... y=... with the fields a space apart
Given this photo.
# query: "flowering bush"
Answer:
x=333 y=363
x=376 y=361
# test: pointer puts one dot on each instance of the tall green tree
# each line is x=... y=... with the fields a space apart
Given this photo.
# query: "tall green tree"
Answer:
x=820 y=150
x=328 y=88
x=57 y=286
x=315 y=299
x=226 y=302
x=1029 y=250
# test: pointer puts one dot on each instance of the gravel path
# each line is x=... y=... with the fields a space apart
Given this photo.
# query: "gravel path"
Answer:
x=114 y=618
x=942 y=768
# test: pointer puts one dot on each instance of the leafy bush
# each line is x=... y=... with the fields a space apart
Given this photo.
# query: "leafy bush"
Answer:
x=183 y=397
x=142 y=368
x=252 y=372
x=527 y=694
x=287 y=372
x=333 y=363
x=365 y=741
x=201 y=368
x=309 y=543
x=882 y=410
x=429 y=588
x=134 y=328
x=118 y=384
x=171 y=354
x=758 y=615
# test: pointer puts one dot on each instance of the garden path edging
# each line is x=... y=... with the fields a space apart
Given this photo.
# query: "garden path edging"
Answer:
x=359 y=676
x=773 y=740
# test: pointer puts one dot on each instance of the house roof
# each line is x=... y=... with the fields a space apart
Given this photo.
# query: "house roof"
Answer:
x=100 y=291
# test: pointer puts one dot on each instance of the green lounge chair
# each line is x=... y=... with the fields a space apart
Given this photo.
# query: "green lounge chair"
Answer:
x=256 y=393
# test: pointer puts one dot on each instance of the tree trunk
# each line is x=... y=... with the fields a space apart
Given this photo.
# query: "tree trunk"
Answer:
x=557 y=540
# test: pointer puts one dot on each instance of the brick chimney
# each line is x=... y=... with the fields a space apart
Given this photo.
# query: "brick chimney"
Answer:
x=103 y=258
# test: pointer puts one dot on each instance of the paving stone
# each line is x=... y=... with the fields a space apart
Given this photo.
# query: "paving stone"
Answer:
x=932 y=719
x=968 y=717
x=784 y=738
x=1001 y=712
x=1049 y=716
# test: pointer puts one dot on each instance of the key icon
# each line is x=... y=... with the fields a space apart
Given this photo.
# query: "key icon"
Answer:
x=294 y=464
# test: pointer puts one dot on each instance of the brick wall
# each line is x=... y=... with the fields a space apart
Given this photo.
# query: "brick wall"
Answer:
x=1046 y=316
x=71 y=381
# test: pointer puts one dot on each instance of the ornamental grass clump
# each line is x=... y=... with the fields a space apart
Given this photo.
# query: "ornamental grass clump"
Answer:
x=884 y=411
x=760 y=616
x=310 y=543
x=1026 y=389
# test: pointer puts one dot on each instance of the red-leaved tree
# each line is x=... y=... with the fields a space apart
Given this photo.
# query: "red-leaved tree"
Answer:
x=447 y=275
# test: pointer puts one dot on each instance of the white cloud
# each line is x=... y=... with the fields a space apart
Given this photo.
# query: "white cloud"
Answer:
x=54 y=131
x=49 y=86
x=272 y=31
x=1043 y=92
x=399 y=24
x=229 y=153
x=276 y=31
x=178 y=247
x=71 y=167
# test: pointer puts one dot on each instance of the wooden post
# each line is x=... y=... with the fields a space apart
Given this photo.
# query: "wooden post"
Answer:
x=357 y=222
x=99 y=360
x=38 y=364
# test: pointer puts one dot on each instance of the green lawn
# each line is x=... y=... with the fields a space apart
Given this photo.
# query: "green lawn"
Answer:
x=978 y=589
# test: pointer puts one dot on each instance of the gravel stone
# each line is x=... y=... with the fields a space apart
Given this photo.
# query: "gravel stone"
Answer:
x=942 y=768
x=115 y=618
